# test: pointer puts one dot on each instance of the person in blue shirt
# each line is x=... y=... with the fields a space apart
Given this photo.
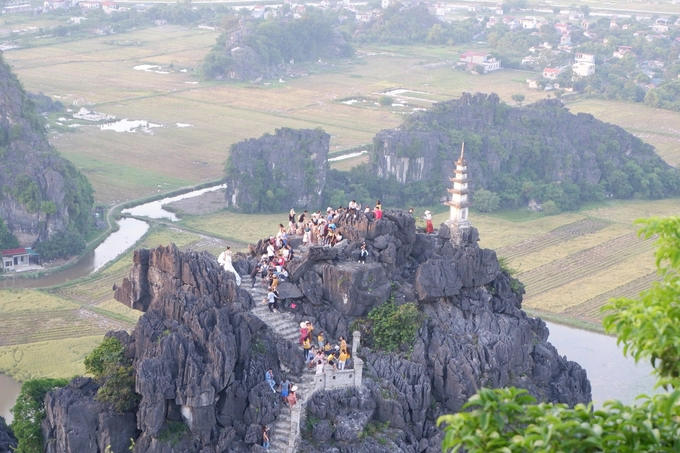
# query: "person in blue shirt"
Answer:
x=269 y=379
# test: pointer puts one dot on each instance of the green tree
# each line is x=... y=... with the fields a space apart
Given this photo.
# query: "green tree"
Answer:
x=518 y=98
x=507 y=420
x=29 y=412
x=7 y=239
x=385 y=100
x=109 y=366
x=486 y=201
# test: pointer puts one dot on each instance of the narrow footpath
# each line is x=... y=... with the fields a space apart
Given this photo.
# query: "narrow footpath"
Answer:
x=285 y=431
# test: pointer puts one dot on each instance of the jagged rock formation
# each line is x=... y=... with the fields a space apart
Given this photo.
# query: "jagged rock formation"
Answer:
x=42 y=193
x=277 y=172
x=200 y=357
x=541 y=143
x=8 y=442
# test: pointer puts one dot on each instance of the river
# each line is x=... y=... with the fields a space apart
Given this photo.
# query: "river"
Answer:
x=9 y=390
x=154 y=209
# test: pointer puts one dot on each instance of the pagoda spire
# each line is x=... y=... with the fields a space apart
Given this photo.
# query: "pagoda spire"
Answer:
x=458 y=201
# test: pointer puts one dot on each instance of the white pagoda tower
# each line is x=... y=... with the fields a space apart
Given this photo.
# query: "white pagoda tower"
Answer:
x=459 y=195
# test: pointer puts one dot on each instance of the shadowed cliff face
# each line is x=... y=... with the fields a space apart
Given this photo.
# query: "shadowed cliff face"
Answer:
x=42 y=193
x=275 y=172
x=195 y=362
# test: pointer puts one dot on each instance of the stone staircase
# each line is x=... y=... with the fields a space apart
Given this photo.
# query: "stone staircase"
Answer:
x=285 y=431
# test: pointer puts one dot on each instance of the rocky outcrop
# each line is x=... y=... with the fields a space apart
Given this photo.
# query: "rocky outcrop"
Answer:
x=8 y=443
x=200 y=356
x=199 y=361
x=277 y=172
x=42 y=193
x=541 y=142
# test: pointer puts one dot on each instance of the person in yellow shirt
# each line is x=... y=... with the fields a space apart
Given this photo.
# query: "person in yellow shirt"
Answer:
x=306 y=346
x=342 y=359
x=332 y=361
x=320 y=340
x=343 y=343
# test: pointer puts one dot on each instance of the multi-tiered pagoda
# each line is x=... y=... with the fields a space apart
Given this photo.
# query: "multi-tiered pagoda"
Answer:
x=459 y=195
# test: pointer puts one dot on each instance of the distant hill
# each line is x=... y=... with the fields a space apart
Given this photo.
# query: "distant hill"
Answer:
x=541 y=151
x=413 y=25
x=41 y=193
x=258 y=48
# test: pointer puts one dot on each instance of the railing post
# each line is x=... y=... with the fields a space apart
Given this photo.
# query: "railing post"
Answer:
x=356 y=342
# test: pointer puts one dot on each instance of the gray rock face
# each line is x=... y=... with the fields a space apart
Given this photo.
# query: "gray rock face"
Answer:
x=7 y=440
x=199 y=360
x=292 y=162
x=85 y=425
x=33 y=173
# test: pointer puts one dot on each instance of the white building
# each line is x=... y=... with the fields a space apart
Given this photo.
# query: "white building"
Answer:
x=472 y=59
x=583 y=69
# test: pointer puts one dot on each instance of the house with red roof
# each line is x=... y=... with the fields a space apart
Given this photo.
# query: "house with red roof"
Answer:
x=14 y=258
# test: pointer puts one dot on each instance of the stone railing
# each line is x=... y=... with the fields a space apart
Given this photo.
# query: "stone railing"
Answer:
x=329 y=380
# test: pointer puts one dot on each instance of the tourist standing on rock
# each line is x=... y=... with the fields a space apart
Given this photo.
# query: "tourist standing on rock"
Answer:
x=310 y=330
x=253 y=274
x=225 y=260
x=265 y=437
x=378 y=210
x=291 y=221
x=269 y=379
x=271 y=300
x=270 y=249
x=429 y=228
x=342 y=358
x=319 y=366
x=343 y=344
x=292 y=397
x=303 y=332
x=285 y=385
x=363 y=253
x=306 y=346
x=320 y=340
x=303 y=216
x=306 y=237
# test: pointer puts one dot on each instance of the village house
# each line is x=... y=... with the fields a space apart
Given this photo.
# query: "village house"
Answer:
x=492 y=22
x=499 y=9
x=660 y=25
x=528 y=22
x=18 y=259
x=471 y=59
x=565 y=39
x=562 y=28
x=621 y=51
x=551 y=73
x=53 y=5
x=510 y=22
x=583 y=69
x=16 y=6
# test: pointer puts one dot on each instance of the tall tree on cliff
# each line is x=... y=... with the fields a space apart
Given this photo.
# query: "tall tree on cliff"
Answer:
x=42 y=193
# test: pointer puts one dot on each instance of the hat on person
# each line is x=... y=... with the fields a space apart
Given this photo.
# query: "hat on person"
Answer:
x=294 y=388
x=329 y=209
x=337 y=347
x=302 y=324
x=427 y=212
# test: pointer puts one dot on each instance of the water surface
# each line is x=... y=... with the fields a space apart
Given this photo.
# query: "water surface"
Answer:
x=9 y=390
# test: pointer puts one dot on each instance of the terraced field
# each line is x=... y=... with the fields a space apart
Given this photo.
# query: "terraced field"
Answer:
x=590 y=310
x=536 y=244
x=582 y=264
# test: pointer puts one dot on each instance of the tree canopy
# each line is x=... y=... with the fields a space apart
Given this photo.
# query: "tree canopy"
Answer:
x=507 y=420
x=29 y=412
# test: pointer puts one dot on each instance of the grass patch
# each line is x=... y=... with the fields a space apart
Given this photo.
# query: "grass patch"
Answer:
x=54 y=359
x=27 y=300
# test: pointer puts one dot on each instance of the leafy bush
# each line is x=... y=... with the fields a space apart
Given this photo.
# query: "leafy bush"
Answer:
x=61 y=245
x=390 y=326
x=109 y=366
x=486 y=201
x=7 y=239
x=385 y=100
x=550 y=208
x=29 y=412
x=173 y=432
